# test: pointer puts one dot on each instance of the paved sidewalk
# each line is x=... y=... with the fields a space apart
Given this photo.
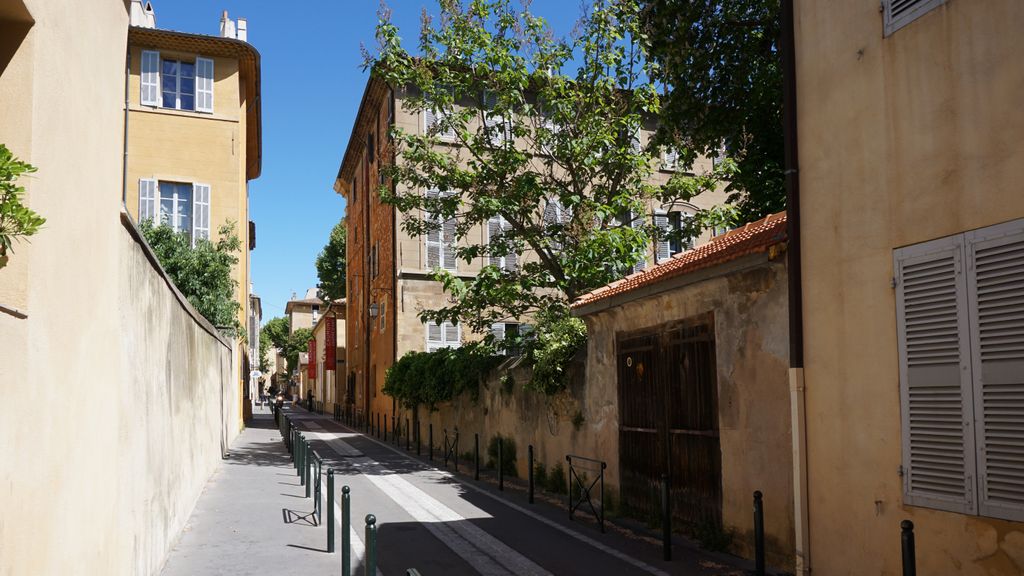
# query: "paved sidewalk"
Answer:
x=253 y=518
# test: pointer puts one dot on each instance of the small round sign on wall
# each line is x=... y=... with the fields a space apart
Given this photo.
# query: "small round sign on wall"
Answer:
x=629 y=361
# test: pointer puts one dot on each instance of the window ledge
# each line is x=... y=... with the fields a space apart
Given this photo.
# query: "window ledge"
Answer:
x=182 y=113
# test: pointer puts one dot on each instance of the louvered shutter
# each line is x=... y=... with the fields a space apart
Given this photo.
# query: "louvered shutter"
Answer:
x=670 y=159
x=662 y=246
x=150 y=78
x=433 y=238
x=935 y=383
x=634 y=140
x=148 y=197
x=511 y=259
x=448 y=244
x=204 y=85
x=638 y=222
x=493 y=231
x=435 y=337
x=452 y=335
x=200 y=212
x=899 y=13
x=429 y=120
x=996 y=294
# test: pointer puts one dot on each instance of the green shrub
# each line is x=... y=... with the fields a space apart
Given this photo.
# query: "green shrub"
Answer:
x=429 y=378
x=559 y=338
x=508 y=454
x=540 y=475
x=16 y=220
x=556 y=479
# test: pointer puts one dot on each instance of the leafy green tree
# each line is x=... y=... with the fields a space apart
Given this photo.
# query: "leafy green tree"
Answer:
x=330 y=265
x=719 y=63
x=276 y=332
x=16 y=219
x=547 y=159
x=264 y=359
x=297 y=342
x=201 y=271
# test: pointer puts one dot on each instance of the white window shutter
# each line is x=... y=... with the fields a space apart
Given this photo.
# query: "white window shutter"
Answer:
x=204 y=85
x=452 y=335
x=662 y=246
x=511 y=260
x=638 y=222
x=995 y=286
x=429 y=119
x=148 y=198
x=150 y=78
x=634 y=140
x=670 y=159
x=433 y=238
x=448 y=244
x=493 y=231
x=200 y=212
x=435 y=337
x=935 y=383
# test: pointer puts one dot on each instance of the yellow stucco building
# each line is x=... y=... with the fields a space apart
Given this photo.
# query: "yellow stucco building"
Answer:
x=193 y=124
x=912 y=222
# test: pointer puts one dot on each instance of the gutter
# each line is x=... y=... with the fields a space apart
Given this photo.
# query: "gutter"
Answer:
x=127 y=89
x=797 y=396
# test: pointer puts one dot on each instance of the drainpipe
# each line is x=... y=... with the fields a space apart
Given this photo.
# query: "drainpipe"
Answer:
x=796 y=327
x=127 y=83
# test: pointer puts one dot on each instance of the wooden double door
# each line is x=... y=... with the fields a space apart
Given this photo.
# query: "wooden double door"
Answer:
x=668 y=421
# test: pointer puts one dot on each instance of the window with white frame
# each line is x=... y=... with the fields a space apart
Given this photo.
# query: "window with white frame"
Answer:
x=498 y=127
x=960 y=327
x=316 y=313
x=502 y=331
x=176 y=84
x=182 y=206
x=671 y=240
x=505 y=260
x=444 y=335
x=555 y=214
x=670 y=159
x=440 y=238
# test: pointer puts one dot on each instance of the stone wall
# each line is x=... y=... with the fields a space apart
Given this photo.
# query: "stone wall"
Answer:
x=119 y=399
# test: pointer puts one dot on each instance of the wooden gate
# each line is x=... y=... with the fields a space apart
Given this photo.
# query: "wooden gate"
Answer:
x=668 y=421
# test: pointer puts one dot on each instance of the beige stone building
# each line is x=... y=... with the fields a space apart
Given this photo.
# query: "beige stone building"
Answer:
x=686 y=375
x=121 y=398
x=328 y=386
x=388 y=270
x=303 y=312
x=193 y=128
x=912 y=224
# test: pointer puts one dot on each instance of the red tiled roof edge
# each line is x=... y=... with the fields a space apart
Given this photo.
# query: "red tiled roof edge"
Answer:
x=749 y=239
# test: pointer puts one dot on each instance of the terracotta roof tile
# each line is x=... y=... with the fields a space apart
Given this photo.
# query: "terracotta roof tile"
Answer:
x=749 y=239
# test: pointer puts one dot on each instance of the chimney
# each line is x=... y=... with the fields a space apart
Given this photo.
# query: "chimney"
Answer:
x=227 y=26
x=243 y=30
x=142 y=15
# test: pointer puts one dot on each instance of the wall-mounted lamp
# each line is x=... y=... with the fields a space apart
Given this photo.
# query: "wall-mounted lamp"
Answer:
x=374 y=310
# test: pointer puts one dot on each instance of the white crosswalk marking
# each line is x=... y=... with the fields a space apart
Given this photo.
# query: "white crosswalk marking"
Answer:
x=483 y=552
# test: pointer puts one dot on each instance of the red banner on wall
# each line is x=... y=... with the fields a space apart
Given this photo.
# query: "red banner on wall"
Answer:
x=311 y=367
x=331 y=344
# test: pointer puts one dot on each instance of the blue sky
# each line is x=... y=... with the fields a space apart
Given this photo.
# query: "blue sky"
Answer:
x=312 y=85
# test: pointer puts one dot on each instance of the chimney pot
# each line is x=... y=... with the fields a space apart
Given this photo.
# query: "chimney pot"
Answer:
x=243 y=29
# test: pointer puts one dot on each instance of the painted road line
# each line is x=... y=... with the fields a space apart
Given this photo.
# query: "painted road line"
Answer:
x=483 y=552
x=578 y=536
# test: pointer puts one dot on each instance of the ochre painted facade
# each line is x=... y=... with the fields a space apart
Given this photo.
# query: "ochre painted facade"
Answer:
x=903 y=139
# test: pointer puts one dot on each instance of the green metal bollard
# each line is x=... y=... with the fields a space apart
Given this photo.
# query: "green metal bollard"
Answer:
x=330 y=510
x=302 y=455
x=307 y=466
x=371 y=545
x=346 y=529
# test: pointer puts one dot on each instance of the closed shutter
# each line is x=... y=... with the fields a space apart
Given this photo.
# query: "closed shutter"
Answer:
x=662 y=245
x=204 y=85
x=448 y=248
x=498 y=331
x=670 y=159
x=511 y=259
x=634 y=140
x=201 y=212
x=935 y=383
x=433 y=238
x=452 y=335
x=638 y=222
x=493 y=231
x=150 y=78
x=148 y=196
x=435 y=337
x=899 y=13
x=996 y=295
